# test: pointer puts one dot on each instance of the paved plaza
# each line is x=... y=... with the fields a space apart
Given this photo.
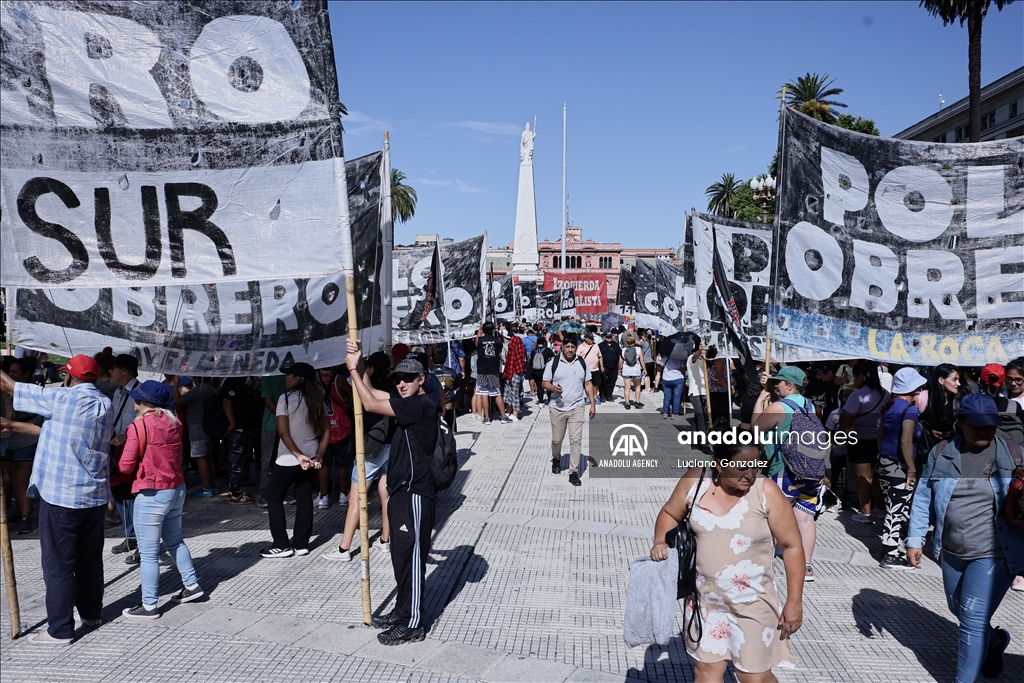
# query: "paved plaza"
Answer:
x=527 y=582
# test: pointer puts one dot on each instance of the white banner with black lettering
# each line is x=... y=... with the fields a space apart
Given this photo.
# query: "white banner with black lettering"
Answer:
x=465 y=291
x=153 y=144
x=224 y=328
x=909 y=252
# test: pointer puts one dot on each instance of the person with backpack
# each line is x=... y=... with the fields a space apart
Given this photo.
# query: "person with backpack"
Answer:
x=512 y=373
x=632 y=371
x=611 y=359
x=305 y=432
x=860 y=416
x=797 y=452
x=124 y=373
x=236 y=402
x=201 y=405
x=411 y=487
x=898 y=431
x=968 y=494
x=568 y=379
x=992 y=380
x=538 y=361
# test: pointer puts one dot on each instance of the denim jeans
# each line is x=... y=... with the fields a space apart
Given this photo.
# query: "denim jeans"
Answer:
x=699 y=413
x=158 y=514
x=673 y=391
x=974 y=589
x=125 y=509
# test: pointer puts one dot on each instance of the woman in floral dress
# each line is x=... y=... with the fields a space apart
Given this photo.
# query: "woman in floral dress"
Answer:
x=736 y=515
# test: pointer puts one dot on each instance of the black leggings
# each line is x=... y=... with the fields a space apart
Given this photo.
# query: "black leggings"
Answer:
x=281 y=479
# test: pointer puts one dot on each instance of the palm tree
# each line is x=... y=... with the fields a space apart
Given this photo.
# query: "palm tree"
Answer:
x=722 y=194
x=809 y=94
x=342 y=111
x=973 y=12
x=403 y=197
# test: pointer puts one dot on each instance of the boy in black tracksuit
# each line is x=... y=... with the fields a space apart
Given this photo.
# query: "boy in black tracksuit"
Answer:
x=411 y=492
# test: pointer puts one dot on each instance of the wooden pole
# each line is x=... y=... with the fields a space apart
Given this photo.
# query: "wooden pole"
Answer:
x=13 y=611
x=707 y=389
x=357 y=412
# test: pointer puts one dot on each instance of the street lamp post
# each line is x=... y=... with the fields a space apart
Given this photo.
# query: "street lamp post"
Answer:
x=764 y=194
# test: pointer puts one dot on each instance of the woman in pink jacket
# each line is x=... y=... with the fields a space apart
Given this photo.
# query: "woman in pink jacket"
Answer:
x=152 y=455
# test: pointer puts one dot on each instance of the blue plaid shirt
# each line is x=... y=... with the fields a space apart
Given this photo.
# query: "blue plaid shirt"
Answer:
x=72 y=462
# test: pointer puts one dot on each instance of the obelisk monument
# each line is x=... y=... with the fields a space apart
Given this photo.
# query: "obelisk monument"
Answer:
x=525 y=259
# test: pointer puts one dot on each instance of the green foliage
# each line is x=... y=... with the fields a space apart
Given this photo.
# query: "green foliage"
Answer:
x=960 y=10
x=403 y=197
x=810 y=95
x=342 y=111
x=857 y=124
x=720 y=195
x=749 y=209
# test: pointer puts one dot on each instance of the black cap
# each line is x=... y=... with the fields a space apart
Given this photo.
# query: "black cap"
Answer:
x=126 y=361
x=303 y=370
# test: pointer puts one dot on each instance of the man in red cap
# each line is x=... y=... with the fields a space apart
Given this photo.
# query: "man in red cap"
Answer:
x=70 y=477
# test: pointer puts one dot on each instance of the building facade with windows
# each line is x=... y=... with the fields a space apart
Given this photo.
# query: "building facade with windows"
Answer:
x=1002 y=115
x=581 y=257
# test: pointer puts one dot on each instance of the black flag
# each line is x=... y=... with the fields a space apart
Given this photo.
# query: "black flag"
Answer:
x=432 y=299
x=731 y=312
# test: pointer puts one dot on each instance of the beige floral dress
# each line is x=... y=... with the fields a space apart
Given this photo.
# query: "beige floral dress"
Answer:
x=738 y=600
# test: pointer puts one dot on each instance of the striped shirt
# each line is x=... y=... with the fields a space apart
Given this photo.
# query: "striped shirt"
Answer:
x=72 y=464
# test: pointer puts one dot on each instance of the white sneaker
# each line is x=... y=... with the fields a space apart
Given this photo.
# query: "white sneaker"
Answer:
x=383 y=546
x=338 y=555
x=342 y=499
x=1018 y=584
x=322 y=502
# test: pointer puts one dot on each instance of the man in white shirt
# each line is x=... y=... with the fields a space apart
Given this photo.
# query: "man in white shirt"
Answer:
x=568 y=378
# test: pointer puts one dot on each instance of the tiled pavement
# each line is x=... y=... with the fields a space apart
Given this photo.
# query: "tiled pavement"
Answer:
x=527 y=582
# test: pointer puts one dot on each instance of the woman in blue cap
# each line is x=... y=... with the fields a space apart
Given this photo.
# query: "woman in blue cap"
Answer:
x=964 y=494
x=152 y=456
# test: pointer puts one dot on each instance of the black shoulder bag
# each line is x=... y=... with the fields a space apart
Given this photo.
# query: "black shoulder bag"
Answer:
x=684 y=541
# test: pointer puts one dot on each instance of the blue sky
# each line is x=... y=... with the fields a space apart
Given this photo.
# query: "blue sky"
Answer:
x=663 y=98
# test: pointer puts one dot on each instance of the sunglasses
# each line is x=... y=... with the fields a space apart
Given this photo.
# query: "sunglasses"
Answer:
x=406 y=379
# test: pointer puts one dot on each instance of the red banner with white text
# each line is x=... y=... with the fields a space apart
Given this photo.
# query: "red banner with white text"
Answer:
x=591 y=289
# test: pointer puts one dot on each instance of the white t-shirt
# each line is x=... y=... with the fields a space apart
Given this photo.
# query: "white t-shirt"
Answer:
x=293 y=405
x=1019 y=400
x=865 y=406
x=696 y=383
x=571 y=376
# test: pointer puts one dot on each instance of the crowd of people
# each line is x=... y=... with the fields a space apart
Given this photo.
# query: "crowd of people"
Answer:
x=925 y=448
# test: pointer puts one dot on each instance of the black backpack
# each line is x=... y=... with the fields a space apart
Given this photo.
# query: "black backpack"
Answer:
x=215 y=421
x=444 y=462
x=558 y=356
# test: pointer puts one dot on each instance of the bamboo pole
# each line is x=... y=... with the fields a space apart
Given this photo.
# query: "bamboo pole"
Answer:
x=13 y=610
x=707 y=389
x=357 y=412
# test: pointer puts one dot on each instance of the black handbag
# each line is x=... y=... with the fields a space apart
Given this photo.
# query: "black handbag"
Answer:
x=684 y=541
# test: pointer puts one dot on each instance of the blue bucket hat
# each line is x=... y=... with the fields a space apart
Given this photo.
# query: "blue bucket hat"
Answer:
x=980 y=410
x=153 y=392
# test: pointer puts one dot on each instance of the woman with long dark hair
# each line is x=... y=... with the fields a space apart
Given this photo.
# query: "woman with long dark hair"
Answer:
x=940 y=403
x=305 y=433
x=860 y=416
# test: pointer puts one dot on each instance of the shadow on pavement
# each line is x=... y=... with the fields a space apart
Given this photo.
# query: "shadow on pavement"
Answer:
x=931 y=637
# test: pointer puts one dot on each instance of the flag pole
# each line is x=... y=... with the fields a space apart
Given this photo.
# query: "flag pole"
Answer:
x=357 y=414
x=777 y=239
x=13 y=610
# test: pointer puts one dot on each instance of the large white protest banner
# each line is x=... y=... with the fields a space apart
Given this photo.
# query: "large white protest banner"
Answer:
x=465 y=291
x=153 y=144
x=903 y=251
x=226 y=327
